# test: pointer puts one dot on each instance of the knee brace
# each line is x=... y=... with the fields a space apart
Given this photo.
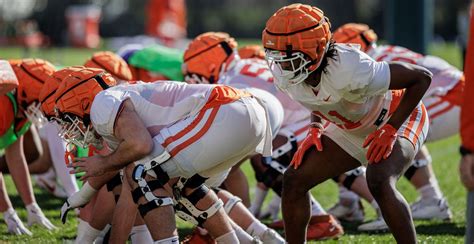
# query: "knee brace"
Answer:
x=231 y=202
x=114 y=182
x=416 y=164
x=351 y=176
x=185 y=204
x=146 y=188
x=280 y=160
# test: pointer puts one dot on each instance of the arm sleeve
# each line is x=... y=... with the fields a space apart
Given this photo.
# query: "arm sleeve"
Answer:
x=467 y=115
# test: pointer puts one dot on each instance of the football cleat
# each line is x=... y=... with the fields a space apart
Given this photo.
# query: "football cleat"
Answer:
x=427 y=209
x=271 y=237
x=323 y=227
x=350 y=210
x=375 y=225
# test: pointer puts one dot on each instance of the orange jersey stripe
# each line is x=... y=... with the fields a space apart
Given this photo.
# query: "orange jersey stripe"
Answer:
x=454 y=96
x=421 y=124
x=186 y=130
x=442 y=111
x=198 y=135
x=219 y=95
x=435 y=104
x=412 y=120
x=397 y=96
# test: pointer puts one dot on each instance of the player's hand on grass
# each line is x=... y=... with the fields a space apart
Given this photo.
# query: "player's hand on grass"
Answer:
x=14 y=224
x=36 y=216
x=466 y=171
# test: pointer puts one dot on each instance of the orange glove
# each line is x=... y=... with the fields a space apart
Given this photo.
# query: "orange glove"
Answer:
x=313 y=138
x=381 y=143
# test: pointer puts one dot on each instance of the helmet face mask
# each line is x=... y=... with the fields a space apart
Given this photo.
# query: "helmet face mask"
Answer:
x=34 y=114
x=195 y=79
x=288 y=70
x=73 y=130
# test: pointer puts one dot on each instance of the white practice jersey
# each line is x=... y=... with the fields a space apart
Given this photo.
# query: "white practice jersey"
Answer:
x=246 y=73
x=158 y=104
x=353 y=91
x=445 y=76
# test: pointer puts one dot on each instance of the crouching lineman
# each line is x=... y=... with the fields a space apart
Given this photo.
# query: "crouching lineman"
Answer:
x=177 y=134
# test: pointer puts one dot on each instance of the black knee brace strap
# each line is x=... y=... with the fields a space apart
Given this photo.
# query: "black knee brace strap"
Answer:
x=145 y=189
x=198 y=194
x=348 y=181
x=114 y=182
x=152 y=185
x=116 y=198
x=410 y=172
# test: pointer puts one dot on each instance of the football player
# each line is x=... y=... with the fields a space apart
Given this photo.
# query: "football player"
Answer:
x=16 y=108
x=361 y=115
x=172 y=132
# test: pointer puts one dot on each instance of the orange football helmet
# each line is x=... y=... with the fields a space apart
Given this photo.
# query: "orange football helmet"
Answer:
x=74 y=99
x=47 y=95
x=356 y=33
x=297 y=36
x=252 y=51
x=31 y=74
x=112 y=63
x=206 y=56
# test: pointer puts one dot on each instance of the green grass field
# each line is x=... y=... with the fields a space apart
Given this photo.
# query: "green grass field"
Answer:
x=445 y=162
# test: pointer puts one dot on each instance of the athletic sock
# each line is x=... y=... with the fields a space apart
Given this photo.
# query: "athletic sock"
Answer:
x=169 y=240
x=273 y=207
x=428 y=191
x=256 y=228
x=257 y=202
x=228 y=238
x=86 y=233
x=140 y=234
x=316 y=208
x=103 y=232
x=244 y=237
x=376 y=207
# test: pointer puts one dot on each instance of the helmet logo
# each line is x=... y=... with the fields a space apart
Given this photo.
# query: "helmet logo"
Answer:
x=269 y=43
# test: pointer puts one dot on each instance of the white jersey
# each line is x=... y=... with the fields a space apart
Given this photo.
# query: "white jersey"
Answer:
x=353 y=91
x=445 y=76
x=246 y=73
x=158 y=104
